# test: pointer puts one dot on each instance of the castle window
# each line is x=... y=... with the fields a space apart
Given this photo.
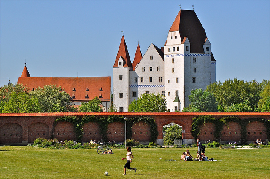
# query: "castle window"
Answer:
x=177 y=80
x=119 y=63
x=195 y=70
x=177 y=48
x=207 y=49
x=136 y=79
x=173 y=49
x=194 y=59
x=176 y=92
x=175 y=108
x=169 y=93
x=143 y=69
x=141 y=79
x=120 y=77
x=175 y=37
x=121 y=109
x=160 y=79
x=151 y=57
x=163 y=93
x=171 y=37
x=187 y=48
x=150 y=79
x=172 y=60
x=146 y=92
x=120 y=95
x=157 y=68
x=169 y=49
x=172 y=70
x=193 y=79
x=169 y=81
x=150 y=68
x=134 y=94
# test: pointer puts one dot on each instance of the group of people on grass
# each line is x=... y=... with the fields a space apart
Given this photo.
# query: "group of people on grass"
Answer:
x=186 y=156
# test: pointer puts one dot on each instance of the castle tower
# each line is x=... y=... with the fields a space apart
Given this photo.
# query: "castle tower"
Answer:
x=121 y=69
x=189 y=63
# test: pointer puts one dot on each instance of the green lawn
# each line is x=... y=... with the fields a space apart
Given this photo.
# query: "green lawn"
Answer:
x=31 y=162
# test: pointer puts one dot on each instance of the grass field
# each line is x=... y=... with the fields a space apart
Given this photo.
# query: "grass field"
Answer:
x=32 y=162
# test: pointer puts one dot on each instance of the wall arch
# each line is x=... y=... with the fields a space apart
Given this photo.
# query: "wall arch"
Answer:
x=64 y=131
x=11 y=133
x=116 y=132
x=231 y=132
x=256 y=130
x=207 y=132
x=91 y=131
x=37 y=130
x=141 y=132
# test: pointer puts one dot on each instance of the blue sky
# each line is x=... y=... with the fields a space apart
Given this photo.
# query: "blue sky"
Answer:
x=68 y=38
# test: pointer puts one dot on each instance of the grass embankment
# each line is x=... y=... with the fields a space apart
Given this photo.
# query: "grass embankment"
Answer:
x=32 y=162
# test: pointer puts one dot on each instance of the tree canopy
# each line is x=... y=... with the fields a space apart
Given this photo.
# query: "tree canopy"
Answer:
x=93 y=105
x=201 y=101
x=148 y=103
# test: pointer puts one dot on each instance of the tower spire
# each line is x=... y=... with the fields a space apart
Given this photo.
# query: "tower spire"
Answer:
x=123 y=52
x=25 y=72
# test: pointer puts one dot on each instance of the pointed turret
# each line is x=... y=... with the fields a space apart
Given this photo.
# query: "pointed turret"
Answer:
x=137 y=58
x=25 y=72
x=176 y=23
x=123 y=52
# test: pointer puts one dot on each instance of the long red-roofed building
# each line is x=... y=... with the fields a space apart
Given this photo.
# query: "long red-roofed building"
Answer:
x=80 y=89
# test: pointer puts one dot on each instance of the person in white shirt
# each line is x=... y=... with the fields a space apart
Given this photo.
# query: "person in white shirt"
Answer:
x=129 y=159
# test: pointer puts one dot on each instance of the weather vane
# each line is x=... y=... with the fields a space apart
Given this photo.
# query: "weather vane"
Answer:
x=193 y=7
x=122 y=33
x=180 y=6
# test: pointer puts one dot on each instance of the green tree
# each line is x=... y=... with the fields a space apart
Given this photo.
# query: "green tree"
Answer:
x=172 y=133
x=232 y=93
x=6 y=91
x=264 y=102
x=53 y=99
x=20 y=102
x=201 y=101
x=93 y=105
x=148 y=103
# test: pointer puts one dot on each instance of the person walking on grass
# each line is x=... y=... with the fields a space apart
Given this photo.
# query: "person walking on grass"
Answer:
x=129 y=159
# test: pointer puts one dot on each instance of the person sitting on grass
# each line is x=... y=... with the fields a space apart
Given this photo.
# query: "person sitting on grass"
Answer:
x=129 y=159
x=183 y=156
x=188 y=157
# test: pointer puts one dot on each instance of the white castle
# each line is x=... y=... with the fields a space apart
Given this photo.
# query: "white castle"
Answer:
x=183 y=64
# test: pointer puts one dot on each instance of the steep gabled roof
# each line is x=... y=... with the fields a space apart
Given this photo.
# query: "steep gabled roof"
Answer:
x=138 y=57
x=188 y=24
x=25 y=72
x=123 y=52
x=160 y=52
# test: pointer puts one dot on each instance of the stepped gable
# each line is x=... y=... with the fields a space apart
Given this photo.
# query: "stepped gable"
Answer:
x=160 y=52
x=137 y=58
x=188 y=24
x=123 y=52
x=25 y=72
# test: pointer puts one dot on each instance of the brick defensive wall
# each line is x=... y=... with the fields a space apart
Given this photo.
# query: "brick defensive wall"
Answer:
x=23 y=128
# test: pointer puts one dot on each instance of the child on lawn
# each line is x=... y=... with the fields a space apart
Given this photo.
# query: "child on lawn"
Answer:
x=129 y=159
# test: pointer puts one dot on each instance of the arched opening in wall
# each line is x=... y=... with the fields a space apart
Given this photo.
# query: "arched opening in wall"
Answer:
x=64 y=131
x=207 y=132
x=38 y=130
x=172 y=134
x=116 y=132
x=11 y=133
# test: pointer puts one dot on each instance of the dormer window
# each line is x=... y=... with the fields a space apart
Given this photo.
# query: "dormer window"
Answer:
x=73 y=97
x=87 y=96
x=101 y=89
x=74 y=89
x=207 y=49
x=87 y=89
x=100 y=95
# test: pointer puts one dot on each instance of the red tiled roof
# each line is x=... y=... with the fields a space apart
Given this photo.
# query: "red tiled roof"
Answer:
x=131 y=114
x=176 y=23
x=123 y=52
x=79 y=87
x=137 y=58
